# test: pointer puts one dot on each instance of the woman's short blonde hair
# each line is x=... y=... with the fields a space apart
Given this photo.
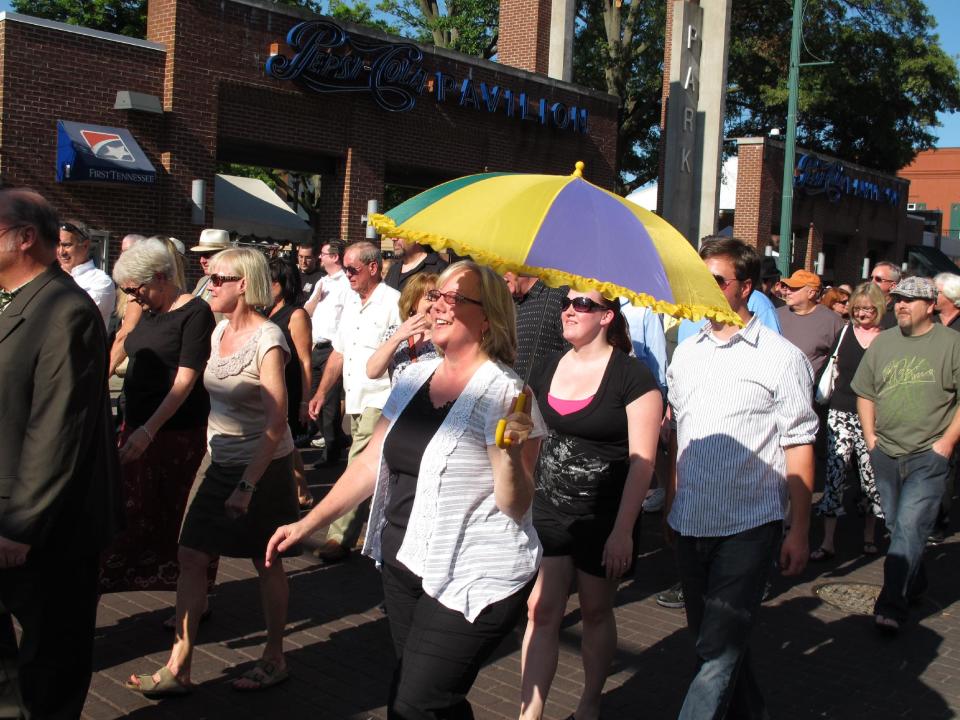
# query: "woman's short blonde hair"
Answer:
x=500 y=340
x=180 y=268
x=413 y=291
x=143 y=261
x=252 y=266
x=872 y=294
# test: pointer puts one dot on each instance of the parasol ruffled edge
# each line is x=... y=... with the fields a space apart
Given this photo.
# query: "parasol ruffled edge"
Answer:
x=385 y=225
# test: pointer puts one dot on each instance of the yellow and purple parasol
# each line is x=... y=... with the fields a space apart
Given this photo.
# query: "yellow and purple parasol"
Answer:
x=566 y=231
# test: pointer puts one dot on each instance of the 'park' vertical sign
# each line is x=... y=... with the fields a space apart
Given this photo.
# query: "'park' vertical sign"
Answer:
x=694 y=122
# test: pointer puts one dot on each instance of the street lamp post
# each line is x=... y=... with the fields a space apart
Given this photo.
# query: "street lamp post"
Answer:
x=790 y=149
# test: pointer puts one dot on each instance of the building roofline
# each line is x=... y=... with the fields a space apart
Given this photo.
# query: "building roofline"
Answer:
x=78 y=30
x=781 y=145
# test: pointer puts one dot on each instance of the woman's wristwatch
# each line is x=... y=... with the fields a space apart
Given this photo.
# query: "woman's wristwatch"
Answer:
x=244 y=486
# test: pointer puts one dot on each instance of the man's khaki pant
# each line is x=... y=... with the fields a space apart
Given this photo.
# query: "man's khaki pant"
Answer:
x=346 y=530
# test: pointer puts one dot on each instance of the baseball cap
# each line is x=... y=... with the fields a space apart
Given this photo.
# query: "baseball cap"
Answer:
x=801 y=278
x=915 y=288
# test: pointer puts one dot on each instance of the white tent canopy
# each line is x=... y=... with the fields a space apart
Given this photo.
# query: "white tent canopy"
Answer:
x=249 y=207
x=646 y=196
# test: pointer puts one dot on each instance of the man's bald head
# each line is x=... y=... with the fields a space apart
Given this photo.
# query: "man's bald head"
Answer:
x=25 y=208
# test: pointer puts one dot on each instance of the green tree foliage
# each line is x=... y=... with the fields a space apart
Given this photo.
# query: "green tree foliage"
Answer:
x=618 y=49
x=360 y=13
x=468 y=26
x=876 y=104
x=127 y=17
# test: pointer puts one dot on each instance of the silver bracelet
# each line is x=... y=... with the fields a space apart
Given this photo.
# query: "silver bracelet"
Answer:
x=147 y=433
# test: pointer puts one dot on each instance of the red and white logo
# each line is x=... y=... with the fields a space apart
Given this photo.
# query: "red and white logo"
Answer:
x=107 y=146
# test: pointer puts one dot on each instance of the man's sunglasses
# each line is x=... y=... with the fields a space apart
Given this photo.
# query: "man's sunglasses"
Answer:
x=351 y=271
x=217 y=280
x=582 y=305
x=71 y=228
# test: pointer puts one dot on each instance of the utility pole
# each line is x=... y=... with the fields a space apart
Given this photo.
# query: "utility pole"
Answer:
x=790 y=149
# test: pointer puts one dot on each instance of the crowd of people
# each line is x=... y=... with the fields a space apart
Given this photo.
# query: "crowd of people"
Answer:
x=504 y=440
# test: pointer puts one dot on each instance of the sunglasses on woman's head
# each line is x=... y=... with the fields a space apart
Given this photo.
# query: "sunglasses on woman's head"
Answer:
x=582 y=304
x=217 y=280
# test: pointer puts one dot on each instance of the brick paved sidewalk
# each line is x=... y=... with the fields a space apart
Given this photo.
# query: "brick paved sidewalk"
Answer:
x=812 y=660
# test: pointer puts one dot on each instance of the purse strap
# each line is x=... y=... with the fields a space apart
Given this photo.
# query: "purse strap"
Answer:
x=836 y=350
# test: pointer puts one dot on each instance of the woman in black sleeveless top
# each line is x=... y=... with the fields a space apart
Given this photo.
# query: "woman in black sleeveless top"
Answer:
x=294 y=322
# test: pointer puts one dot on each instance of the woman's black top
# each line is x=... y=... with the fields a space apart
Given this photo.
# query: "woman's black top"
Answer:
x=292 y=371
x=402 y=451
x=848 y=360
x=584 y=460
x=158 y=345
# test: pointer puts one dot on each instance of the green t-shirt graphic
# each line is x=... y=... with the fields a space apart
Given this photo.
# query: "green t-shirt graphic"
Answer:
x=913 y=383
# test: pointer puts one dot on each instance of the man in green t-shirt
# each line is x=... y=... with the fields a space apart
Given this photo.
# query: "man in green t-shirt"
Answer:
x=907 y=386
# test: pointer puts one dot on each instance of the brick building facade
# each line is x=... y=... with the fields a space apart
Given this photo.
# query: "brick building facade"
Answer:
x=848 y=212
x=205 y=60
x=934 y=177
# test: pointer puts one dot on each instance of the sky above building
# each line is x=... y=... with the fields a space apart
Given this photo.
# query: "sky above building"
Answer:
x=948 y=22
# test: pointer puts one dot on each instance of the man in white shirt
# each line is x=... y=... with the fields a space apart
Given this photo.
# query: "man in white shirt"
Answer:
x=73 y=252
x=325 y=306
x=745 y=428
x=370 y=310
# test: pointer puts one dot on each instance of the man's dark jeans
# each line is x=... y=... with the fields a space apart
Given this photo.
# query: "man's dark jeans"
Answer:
x=723 y=580
x=911 y=488
x=328 y=424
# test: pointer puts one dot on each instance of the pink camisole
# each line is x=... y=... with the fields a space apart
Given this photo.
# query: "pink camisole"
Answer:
x=566 y=407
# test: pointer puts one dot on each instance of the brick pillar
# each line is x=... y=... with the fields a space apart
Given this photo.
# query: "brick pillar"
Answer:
x=362 y=180
x=331 y=202
x=185 y=26
x=524 y=39
x=665 y=98
x=814 y=247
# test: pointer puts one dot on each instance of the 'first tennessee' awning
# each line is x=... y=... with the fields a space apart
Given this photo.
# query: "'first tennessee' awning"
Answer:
x=99 y=153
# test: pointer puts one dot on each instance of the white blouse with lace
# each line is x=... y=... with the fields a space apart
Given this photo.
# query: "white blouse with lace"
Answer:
x=466 y=551
x=237 y=420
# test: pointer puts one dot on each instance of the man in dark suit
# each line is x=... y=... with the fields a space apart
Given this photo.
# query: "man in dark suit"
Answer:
x=58 y=465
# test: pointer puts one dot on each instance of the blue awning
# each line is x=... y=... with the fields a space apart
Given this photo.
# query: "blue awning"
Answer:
x=97 y=153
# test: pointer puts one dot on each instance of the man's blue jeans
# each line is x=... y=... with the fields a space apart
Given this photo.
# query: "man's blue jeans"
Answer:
x=723 y=580
x=910 y=487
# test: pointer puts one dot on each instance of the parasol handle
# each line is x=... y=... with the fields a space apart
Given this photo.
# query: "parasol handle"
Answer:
x=518 y=405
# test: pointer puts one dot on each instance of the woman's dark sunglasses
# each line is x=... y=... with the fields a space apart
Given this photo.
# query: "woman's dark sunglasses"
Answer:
x=217 y=280
x=582 y=304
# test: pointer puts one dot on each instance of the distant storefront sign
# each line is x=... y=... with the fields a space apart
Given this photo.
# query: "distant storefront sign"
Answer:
x=815 y=175
x=326 y=59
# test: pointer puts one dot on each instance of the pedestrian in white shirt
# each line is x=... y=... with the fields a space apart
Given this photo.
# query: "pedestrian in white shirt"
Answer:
x=73 y=252
x=325 y=306
x=369 y=311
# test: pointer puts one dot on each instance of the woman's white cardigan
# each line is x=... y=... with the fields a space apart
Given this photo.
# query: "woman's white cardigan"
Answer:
x=467 y=553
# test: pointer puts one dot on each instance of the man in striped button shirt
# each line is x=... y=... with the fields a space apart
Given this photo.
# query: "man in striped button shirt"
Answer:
x=745 y=428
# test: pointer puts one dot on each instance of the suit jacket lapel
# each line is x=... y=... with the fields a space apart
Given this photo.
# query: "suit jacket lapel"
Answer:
x=13 y=315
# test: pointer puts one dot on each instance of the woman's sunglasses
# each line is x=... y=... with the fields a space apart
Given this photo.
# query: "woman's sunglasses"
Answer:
x=582 y=305
x=217 y=280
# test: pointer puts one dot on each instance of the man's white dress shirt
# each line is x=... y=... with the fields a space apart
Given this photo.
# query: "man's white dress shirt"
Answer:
x=98 y=286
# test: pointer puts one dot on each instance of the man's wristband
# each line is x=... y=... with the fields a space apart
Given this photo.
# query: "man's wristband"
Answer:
x=244 y=486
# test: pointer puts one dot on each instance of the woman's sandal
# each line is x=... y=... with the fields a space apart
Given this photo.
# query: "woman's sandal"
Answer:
x=265 y=673
x=168 y=686
x=171 y=622
x=870 y=548
x=886 y=624
x=821 y=554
